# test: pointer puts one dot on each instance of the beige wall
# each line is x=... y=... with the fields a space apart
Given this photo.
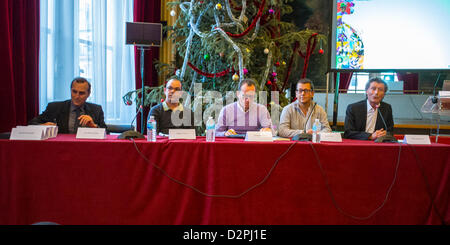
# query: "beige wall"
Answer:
x=167 y=50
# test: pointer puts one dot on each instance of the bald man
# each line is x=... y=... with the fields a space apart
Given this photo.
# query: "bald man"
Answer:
x=163 y=112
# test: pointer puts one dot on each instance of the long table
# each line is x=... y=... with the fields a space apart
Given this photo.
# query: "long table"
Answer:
x=230 y=181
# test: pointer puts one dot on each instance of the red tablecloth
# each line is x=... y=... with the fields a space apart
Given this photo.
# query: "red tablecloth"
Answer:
x=70 y=181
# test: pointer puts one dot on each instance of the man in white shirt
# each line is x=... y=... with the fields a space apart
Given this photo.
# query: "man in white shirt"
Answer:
x=300 y=115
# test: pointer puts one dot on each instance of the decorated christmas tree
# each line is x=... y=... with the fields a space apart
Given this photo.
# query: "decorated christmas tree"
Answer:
x=221 y=42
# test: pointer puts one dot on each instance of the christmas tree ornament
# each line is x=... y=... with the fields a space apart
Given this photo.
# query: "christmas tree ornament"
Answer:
x=277 y=64
x=248 y=50
x=269 y=82
x=162 y=100
x=283 y=63
x=221 y=54
x=321 y=51
x=235 y=77
x=245 y=71
x=218 y=6
x=206 y=57
x=274 y=74
x=266 y=50
x=271 y=11
x=173 y=13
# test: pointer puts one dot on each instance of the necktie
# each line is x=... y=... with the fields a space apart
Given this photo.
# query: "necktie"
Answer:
x=76 y=122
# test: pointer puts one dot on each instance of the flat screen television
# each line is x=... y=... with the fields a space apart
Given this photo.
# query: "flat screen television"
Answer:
x=390 y=35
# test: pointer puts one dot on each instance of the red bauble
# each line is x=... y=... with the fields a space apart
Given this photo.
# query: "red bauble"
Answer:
x=277 y=64
x=269 y=83
x=321 y=51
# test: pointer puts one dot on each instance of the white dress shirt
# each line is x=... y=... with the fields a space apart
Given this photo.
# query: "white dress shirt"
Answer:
x=371 y=118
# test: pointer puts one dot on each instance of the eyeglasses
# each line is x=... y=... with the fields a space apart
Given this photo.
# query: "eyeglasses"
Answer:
x=304 y=90
x=248 y=96
x=172 y=88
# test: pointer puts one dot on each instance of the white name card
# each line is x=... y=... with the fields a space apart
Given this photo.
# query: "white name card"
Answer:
x=182 y=134
x=258 y=136
x=27 y=133
x=330 y=137
x=91 y=133
x=416 y=139
x=51 y=131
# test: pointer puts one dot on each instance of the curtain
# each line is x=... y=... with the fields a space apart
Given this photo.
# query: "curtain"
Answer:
x=410 y=82
x=147 y=11
x=344 y=80
x=87 y=38
x=19 y=52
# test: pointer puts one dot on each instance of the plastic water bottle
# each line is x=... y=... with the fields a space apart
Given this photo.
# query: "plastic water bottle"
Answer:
x=316 y=129
x=151 y=129
x=210 y=130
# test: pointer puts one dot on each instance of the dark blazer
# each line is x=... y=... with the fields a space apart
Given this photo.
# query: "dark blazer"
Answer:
x=356 y=117
x=59 y=112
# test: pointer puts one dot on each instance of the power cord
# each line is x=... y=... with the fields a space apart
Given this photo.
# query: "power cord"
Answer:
x=215 y=195
x=334 y=200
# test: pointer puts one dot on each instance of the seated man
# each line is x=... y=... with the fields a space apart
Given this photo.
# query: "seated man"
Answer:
x=371 y=118
x=300 y=115
x=243 y=115
x=70 y=114
x=164 y=112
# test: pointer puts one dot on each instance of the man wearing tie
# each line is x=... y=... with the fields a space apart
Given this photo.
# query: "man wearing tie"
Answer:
x=70 y=114
x=371 y=118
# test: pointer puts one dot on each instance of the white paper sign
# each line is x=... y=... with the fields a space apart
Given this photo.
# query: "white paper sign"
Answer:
x=182 y=134
x=27 y=133
x=330 y=137
x=51 y=131
x=259 y=136
x=91 y=133
x=416 y=139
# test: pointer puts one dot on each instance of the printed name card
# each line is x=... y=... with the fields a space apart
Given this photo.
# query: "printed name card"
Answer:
x=182 y=134
x=416 y=139
x=91 y=133
x=330 y=137
x=259 y=136
x=27 y=133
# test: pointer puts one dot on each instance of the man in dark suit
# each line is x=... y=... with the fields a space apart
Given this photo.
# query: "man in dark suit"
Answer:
x=70 y=114
x=371 y=118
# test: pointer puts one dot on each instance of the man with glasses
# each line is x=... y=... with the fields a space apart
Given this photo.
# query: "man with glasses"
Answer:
x=171 y=113
x=299 y=116
x=371 y=118
x=243 y=115
x=73 y=113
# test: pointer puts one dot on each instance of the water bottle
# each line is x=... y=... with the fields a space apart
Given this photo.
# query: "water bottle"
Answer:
x=151 y=129
x=316 y=129
x=210 y=130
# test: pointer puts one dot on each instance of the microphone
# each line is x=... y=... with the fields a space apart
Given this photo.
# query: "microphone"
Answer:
x=132 y=134
x=386 y=138
x=305 y=136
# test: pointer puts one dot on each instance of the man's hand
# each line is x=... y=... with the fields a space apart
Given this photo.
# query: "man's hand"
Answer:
x=87 y=121
x=377 y=134
x=230 y=132
x=49 y=124
x=265 y=130
x=309 y=131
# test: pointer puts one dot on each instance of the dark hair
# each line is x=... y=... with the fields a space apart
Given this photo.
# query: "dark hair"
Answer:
x=250 y=82
x=81 y=80
x=377 y=80
x=306 y=80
